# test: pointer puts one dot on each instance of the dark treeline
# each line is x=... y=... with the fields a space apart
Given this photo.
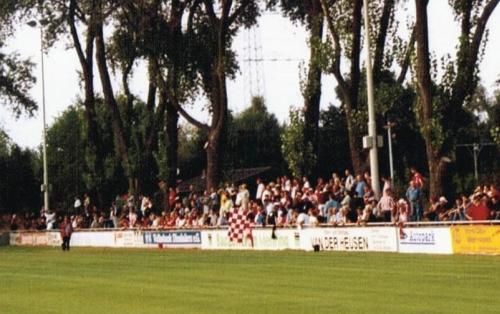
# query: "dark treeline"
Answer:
x=115 y=142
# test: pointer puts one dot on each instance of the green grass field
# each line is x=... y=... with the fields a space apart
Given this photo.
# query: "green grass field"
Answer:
x=47 y=280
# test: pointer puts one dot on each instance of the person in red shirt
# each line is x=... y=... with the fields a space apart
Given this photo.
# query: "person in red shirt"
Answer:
x=478 y=210
x=66 y=230
x=417 y=178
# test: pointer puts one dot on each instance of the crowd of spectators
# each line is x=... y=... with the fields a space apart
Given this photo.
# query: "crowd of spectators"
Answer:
x=347 y=200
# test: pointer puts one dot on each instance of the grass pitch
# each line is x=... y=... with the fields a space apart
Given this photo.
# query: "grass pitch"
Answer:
x=47 y=280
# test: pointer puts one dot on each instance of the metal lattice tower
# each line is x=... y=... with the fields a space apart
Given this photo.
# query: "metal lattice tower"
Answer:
x=253 y=69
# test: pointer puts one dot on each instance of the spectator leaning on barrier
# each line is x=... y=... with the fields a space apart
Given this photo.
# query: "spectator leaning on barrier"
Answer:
x=386 y=207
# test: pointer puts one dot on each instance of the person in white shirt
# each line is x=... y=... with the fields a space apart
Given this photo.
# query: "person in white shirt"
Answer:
x=260 y=189
x=78 y=204
x=349 y=180
x=50 y=218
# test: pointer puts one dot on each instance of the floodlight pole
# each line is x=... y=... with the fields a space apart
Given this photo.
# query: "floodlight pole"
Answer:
x=372 y=126
x=45 y=186
x=389 y=141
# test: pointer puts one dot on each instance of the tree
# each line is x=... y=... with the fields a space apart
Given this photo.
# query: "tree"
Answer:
x=293 y=149
x=333 y=151
x=210 y=35
x=440 y=109
x=20 y=168
x=16 y=74
x=254 y=139
x=344 y=20
x=309 y=12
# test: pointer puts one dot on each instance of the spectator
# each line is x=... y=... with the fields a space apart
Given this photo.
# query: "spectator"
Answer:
x=414 y=195
x=478 y=210
x=417 y=178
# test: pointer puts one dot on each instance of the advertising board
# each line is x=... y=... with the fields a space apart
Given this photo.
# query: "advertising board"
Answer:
x=378 y=239
x=425 y=240
x=175 y=238
x=475 y=239
x=262 y=240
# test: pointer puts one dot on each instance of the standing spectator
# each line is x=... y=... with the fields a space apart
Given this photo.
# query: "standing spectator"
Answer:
x=50 y=218
x=403 y=211
x=414 y=195
x=386 y=207
x=417 y=178
x=387 y=184
x=360 y=186
x=172 y=195
x=478 y=210
x=349 y=180
x=132 y=218
x=66 y=231
x=260 y=189
x=243 y=197
x=86 y=202
x=77 y=205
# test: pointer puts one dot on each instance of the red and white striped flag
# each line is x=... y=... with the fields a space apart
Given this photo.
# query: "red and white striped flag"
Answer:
x=239 y=226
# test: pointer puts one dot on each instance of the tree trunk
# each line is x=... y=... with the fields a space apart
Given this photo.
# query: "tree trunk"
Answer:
x=116 y=121
x=424 y=89
x=353 y=140
x=213 y=159
x=172 y=143
x=312 y=93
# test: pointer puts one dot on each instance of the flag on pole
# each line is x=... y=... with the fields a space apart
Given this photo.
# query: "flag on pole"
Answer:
x=239 y=226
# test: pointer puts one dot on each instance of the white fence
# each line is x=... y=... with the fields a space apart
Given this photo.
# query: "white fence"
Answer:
x=433 y=239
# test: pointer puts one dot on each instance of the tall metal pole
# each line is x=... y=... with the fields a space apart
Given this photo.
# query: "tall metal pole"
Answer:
x=389 y=140
x=45 y=170
x=372 y=126
x=475 y=150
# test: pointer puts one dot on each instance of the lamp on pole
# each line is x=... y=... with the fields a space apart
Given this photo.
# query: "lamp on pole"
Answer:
x=372 y=140
x=45 y=185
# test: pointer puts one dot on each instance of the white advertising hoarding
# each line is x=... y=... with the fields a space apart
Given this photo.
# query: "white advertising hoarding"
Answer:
x=425 y=240
x=353 y=239
x=262 y=240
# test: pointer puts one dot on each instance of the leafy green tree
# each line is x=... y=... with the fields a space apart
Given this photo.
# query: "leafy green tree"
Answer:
x=293 y=149
x=16 y=74
x=211 y=28
x=20 y=184
x=309 y=13
x=440 y=111
x=344 y=20
x=333 y=154
x=255 y=139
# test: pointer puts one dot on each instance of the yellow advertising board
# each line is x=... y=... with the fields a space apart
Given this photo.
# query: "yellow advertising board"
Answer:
x=475 y=239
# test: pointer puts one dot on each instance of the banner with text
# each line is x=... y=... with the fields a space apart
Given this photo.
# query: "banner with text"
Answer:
x=379 y=239
x=185 y=239
x=425 y=240
x=262 y=240
x=476 y=239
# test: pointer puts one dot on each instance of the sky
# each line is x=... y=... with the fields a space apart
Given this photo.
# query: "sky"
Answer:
x=282 y=45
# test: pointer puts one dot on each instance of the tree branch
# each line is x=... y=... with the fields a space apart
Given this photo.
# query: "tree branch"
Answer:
x=382 y=34
x=336 y=42
x=406 y=61
x=211 y=13
x=74 y=35
x=163 y=89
